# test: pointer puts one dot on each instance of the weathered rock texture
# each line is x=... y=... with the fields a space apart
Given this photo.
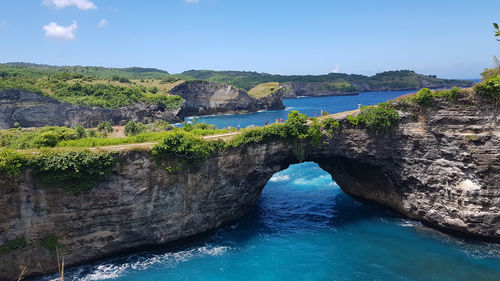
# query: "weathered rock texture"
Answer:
x=317 y=89
x=200 y=98
x=442 y=168
x=34 y=110
x=420 y=81
x=204 y=98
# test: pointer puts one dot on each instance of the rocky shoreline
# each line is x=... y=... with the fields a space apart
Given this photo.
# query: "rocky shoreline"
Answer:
x=29 y=109
x=440 y=166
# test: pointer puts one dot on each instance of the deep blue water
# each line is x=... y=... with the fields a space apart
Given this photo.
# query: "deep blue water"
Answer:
x=305 y=228
x=306 y=105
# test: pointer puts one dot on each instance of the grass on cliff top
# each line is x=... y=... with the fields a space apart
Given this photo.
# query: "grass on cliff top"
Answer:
x=264 y=90
x=35 y=138
x=92 y=91
x=340 y=86
x=426 y=98
x=139 y=138
x=401 y=79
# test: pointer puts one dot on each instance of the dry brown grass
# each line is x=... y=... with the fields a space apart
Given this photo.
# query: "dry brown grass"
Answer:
x=148 y=83
x=264 y=89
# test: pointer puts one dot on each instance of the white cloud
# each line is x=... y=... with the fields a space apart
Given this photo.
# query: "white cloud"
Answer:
x=192 y=1
x=60 y=32
x=80 y=4
x=337 y=69
x=103 y=23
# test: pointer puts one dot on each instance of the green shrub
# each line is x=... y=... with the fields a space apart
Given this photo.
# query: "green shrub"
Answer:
x=12 y=245
x=378 y=118
x=105 y=127
x=490 y=73
x=330 y=125
x=92 y=133
x=80 y=131
x=133 y=128
x=43 y=137
x=169 y=79
x=158 y=126
x=424 y=97
x=295 y=126
x=7 y=137
x=489 y=88
x=76 y=171
x=353 y=120
x=50 y=242
x=11 y=161
x=451 y=95
x=120 y=79
x=314 y=132
x=186 y=146
x=259 y=134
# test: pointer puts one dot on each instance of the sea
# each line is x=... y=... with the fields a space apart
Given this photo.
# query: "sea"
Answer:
x=304 y=227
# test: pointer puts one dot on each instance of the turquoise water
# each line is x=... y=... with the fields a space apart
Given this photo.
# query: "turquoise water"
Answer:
x=306 y=105
x=305 y=228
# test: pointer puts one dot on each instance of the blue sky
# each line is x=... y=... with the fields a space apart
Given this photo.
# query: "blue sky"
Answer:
x=452 y=39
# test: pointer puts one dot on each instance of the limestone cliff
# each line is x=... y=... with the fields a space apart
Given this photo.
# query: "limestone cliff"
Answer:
x=316 y=89
x=200 y=98
x=34 y=110
x=440 y=165
x=204 y=98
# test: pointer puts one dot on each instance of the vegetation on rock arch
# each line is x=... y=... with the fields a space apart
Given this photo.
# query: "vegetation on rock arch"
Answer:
x=489 y=88
x=378 y=118
x=76 y=171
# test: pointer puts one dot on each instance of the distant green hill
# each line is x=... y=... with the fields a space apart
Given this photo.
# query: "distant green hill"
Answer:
x=116 y=87
x=389 y=80
x=38 y=70
x=93 y=86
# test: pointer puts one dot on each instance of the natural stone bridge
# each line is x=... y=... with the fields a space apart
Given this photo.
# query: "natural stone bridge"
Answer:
x=442 y=167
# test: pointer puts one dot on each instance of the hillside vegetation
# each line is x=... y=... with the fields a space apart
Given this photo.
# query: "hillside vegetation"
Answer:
x=402 y=79
x=118 y=87
x=96 y=90
x=96 y=71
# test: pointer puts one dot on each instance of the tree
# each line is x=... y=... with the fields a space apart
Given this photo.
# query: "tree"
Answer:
x=497 y=30
x=80 y=131
x=105 y=127
x=133 y=128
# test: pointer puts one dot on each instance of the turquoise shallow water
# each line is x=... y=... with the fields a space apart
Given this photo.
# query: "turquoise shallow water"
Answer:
x=305 y=228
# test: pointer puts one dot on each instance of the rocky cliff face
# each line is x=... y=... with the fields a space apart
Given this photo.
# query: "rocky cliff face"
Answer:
x=34 y=110
x=297 y=89
x=317 y=89
x=441 y=166
x=418 y=83
x=204 y=98
x=200 y=98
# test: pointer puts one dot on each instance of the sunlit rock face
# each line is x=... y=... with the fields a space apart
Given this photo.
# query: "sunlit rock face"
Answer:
x=442 y=168
x=28 y=109
x=204 y=98
x=311 y=89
